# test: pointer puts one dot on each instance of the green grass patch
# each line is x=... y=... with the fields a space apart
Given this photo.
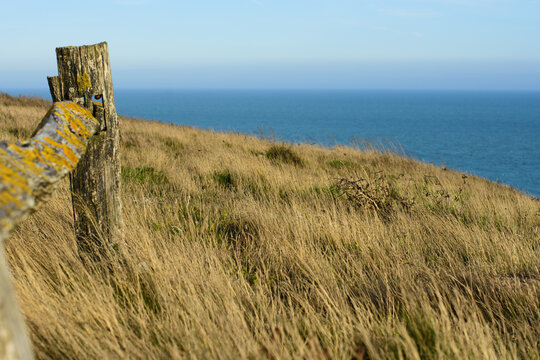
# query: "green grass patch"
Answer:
x=173 y=145
x=255 y=152
x=341 y=164
x=325 y=190
x=225 y=179
x=258 y=186
x=144 y=175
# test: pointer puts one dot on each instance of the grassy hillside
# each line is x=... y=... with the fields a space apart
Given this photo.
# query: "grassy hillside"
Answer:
x=244 y=248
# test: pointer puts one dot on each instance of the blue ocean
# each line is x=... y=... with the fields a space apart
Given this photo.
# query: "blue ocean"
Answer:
x=494 y=134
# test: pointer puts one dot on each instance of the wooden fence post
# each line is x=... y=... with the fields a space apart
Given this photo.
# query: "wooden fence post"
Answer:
x=84 y=76
x=30 y=169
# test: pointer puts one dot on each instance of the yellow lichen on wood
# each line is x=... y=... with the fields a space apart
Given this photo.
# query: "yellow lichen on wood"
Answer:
x=83 y=83
x=33 y=164
x=68 y=136
x=27 y=159
x=72 y=113
x=57 y=158
x=12 y=179
x=8 y=198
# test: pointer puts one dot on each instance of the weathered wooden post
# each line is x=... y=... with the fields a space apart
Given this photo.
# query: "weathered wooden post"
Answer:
x=84 y=76
x=29 y=171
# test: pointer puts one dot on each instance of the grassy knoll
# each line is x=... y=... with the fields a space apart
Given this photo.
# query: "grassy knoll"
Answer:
x=243 y=248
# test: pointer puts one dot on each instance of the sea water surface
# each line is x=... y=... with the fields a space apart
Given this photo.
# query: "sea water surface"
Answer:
x=493 y=134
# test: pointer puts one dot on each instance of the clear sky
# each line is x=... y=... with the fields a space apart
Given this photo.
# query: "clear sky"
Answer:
x=364 y=44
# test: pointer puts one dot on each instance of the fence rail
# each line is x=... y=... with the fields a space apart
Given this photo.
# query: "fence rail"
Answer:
x=30 y=169
x=78 y=136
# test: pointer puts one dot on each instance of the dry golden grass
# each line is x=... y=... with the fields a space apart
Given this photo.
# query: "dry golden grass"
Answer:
x=243 y=248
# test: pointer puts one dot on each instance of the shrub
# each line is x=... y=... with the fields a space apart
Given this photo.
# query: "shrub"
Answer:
x=225 y=179
x=283 y=153
x=373 y=193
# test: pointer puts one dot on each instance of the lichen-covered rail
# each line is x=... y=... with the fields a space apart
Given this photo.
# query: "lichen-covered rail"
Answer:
x=29 y=171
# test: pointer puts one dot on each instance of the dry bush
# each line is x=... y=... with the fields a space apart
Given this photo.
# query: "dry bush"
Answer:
x=374 y=193
x=230 y=256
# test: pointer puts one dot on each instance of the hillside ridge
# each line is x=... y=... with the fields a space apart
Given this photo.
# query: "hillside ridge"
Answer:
x=240 y=247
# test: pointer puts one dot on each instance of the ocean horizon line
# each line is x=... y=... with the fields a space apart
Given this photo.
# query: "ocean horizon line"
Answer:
x=492 y=134
x=42 y=90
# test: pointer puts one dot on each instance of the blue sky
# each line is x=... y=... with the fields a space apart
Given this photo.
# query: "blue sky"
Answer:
x=364 y=44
